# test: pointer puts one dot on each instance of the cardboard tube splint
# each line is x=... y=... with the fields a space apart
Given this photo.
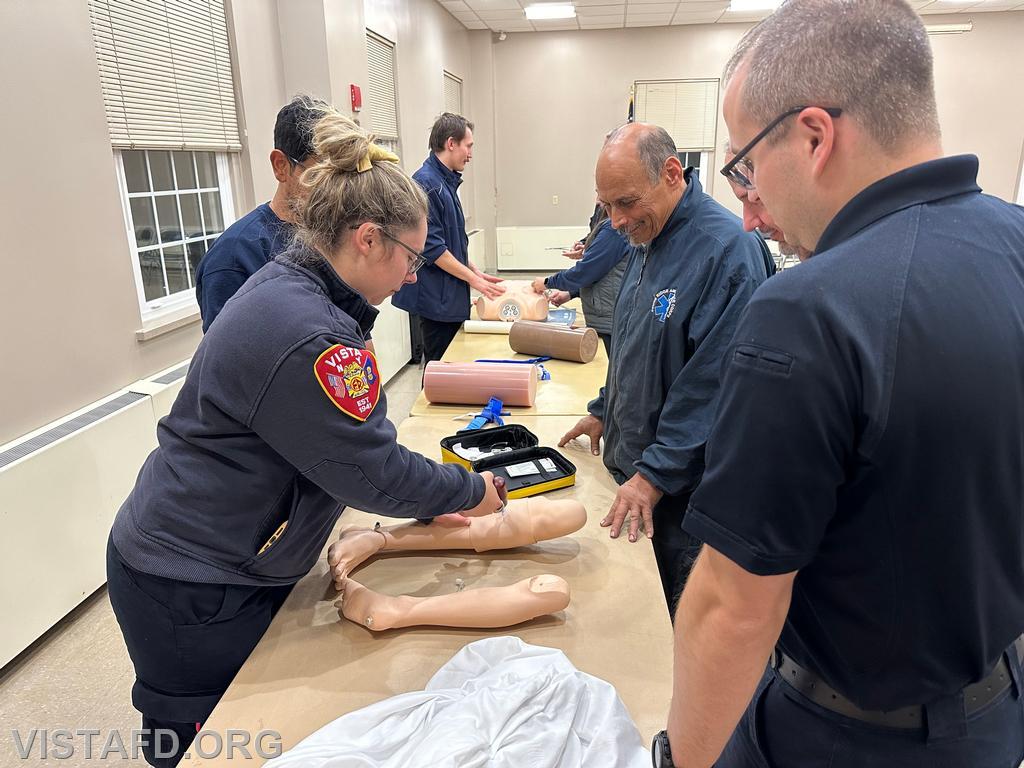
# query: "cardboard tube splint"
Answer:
x=477 y=383
x=559 y=341
x=487 y=326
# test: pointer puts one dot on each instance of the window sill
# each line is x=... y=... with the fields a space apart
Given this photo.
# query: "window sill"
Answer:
x=166 y=322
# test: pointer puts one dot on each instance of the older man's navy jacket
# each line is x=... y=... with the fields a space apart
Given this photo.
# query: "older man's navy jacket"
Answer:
x=681 y=299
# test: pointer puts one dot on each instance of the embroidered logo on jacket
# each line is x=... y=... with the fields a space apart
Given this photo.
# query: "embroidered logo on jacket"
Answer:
x=349 y=378
x=664 y=304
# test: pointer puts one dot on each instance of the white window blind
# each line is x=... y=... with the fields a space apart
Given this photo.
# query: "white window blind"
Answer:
x=452 y=94
x=165 y=69
x=687 y=109
x=383 y=100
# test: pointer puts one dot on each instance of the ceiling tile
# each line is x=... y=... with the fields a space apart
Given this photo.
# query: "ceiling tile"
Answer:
x=456 y=6
x=599 y=10
x=607 y=25
x=493 y=5
x=730 y=18
x=501 y=15
x=546 y=25
x=474 y=25
x=613 y=19
x=696 y=18
x=653 y=18
x=651 y=7
x=941 y=6
x=470 y=16
x=646 y=23
x=703 y=5
x=997 y=5
x=512 y=26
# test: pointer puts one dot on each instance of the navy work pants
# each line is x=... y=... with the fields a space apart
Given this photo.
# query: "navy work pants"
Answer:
x=674 y=549
x=436 y=336
x=783 y=729
x=186 y=641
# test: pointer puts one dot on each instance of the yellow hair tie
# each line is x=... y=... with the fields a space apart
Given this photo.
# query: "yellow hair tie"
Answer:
x=378 y=153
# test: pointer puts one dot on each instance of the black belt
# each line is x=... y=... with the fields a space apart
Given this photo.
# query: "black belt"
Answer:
x=976 y=695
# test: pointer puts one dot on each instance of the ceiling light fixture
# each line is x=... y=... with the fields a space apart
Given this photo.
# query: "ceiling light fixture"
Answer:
x=948 y=29
x=550 y=11
x=746 y=6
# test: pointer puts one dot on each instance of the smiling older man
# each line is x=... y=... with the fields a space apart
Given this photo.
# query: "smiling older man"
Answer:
x=690 y=275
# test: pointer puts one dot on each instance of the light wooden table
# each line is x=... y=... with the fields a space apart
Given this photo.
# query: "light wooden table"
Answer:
x=571 y=387
x=311 y=667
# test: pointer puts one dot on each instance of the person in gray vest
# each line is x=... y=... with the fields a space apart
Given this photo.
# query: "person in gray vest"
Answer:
x=595 y=278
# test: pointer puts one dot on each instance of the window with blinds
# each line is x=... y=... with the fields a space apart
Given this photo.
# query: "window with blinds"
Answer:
x=687 y=109
x=165 y=68
x=452 y=94
x=383 y=97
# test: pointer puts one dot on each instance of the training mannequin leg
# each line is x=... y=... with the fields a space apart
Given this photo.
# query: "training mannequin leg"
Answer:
x=525 y=522
x=476 y=608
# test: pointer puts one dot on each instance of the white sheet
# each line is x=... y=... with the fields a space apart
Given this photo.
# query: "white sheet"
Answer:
x=498 y=702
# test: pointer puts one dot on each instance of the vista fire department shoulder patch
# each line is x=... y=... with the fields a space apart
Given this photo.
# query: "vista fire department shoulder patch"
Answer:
x=349 y=378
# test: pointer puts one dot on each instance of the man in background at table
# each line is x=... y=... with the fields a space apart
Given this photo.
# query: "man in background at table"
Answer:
x=440 y=296
x=266 y=231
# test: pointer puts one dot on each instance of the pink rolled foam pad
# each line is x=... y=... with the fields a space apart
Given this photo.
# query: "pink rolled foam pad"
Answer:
x=477 y=383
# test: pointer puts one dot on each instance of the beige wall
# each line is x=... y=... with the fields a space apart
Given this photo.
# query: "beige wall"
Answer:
x=541 y=103
x=68 y=303
x=483 y=168
x=979 y=95
x=260 y=76
x=557 y=93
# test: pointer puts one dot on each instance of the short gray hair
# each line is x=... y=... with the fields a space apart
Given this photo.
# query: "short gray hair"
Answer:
x=653 y=144
x=871 y=58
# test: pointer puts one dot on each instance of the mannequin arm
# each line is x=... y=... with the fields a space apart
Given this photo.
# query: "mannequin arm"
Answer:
x=525 y=522
x=477 y=608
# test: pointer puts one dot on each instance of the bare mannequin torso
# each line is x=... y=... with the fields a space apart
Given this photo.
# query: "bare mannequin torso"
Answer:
x=519 y=302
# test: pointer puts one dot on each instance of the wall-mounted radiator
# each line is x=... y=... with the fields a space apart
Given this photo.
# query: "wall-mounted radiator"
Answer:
x=60 y=487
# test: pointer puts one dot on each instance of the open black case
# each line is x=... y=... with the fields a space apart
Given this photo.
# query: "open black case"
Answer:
x=543 y=469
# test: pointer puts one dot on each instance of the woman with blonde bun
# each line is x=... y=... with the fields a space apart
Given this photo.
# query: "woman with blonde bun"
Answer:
x=281 y=424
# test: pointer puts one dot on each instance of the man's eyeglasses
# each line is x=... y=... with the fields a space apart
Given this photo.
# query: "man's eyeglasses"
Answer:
x=417 y=259
x=738 y=170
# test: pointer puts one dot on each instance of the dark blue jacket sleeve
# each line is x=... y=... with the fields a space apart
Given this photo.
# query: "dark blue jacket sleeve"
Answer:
x=435 y=245
x=605 y=251
x=215 y=290
x=674 y=462
x=359 y=463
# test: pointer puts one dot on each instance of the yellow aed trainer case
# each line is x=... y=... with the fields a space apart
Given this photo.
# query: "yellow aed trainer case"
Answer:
x=529 y=471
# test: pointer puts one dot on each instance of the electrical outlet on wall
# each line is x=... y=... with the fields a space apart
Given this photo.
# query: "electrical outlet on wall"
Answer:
x=554 y=199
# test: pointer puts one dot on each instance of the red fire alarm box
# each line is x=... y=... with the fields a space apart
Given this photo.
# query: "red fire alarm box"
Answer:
x=357 y=97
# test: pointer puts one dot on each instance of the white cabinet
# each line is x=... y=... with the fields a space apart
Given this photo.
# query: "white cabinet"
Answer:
x=391 y=342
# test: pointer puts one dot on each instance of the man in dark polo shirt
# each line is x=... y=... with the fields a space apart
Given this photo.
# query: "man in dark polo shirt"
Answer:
x=879 y=551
